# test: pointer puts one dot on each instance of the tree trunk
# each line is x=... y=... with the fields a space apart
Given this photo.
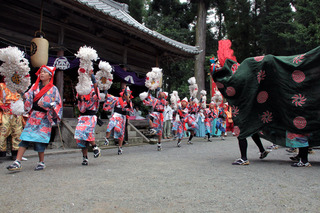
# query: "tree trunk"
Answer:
x=199 y=71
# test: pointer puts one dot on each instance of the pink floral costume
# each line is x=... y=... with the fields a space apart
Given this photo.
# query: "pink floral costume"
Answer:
x=88 y=106
x=209 y=117
x=157 y=115
x=177 y=125
x=118 y=119
x=191 y=117
x=39 y=125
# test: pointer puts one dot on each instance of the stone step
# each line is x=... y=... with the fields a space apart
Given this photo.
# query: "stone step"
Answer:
x=132 y=134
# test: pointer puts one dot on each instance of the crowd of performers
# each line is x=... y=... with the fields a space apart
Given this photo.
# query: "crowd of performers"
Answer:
x=42 y=105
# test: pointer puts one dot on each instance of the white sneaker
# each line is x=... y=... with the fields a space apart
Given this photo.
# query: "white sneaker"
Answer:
x=106 y=141
x=120 y=151
x=96 y=152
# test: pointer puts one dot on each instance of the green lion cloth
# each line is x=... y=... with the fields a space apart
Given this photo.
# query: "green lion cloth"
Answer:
x=277 y=96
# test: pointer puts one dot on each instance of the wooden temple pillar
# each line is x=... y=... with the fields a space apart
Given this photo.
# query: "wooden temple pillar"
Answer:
x=59 y=73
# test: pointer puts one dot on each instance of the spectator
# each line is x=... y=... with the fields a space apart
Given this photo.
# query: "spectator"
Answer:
x=167 y=121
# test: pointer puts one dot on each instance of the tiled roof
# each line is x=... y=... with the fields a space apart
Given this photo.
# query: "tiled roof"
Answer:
x=119 y=11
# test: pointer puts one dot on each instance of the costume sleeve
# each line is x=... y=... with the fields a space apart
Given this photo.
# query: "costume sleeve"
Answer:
x=110 y=102
x=1 y=95
x=149 y=100
x=28 y=99
x=52 y=97
x=56 y=109
x=82 y=105
x=129 y=107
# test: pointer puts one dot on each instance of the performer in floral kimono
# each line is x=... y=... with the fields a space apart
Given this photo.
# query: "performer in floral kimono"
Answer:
x=85 y=130
x=193 y=109
x=44 y=104
x=10 y=124
x=221 y=122
x=210 y=115
x=183 y=114
x=120 y=105
x=156 y=115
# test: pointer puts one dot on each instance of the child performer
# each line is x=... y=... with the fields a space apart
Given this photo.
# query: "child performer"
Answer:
x=121 y=106
x=209 y=117
x=221 y=122
x=84 y=134
x=156 y=116
x=44 y=103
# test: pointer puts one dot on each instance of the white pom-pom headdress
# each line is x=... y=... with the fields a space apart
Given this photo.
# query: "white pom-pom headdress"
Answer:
x=15 y=69
x=193 y=87
x=174 y=99
x=203 y=94
x=143 y=96
x=104 y=77
x=217 y=98
x=86 y=56
x=153 y=79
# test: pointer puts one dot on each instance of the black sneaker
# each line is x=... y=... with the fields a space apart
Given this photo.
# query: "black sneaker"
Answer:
x=16 y=166
x=264 y=154
x=209 y=140
x=241 y=162
x=96 y=152
x=85 y=161
x=179 y=144
x=301 y=164
x=190 y=142
x=159 y=146
x=40 y=166
x=119 y=150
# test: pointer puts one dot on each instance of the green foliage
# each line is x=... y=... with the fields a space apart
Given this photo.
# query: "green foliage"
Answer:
x=172 y=19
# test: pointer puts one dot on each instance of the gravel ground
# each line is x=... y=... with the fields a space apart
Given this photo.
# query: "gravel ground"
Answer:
x=193 y=178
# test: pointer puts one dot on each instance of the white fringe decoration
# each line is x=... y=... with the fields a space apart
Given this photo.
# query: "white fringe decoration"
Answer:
x=193 y=87
x=17 y=107
x=86 y=56
x=174 y=99
x=143 y=96
x=217 y=98
x=203 y=95
x=103 y=76
x=102 y=97
x=153 y=79
x=15 y=69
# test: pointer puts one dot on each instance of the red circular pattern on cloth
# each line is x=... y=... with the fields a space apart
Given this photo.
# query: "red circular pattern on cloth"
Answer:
x=235 y=67
x=300 y=122
x=219 y=85
x=298 y=76
x=262 y=97
x=230 y=91
x=236 y=131
x=259 y=58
